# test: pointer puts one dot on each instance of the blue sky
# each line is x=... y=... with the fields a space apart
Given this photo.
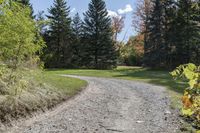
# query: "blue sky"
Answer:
x=115 y=7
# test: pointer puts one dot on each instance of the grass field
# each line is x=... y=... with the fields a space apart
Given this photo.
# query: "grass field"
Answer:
x=68 y=86
x=158 y=77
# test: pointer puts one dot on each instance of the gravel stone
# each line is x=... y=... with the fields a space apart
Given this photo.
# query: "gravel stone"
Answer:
x=108 y=106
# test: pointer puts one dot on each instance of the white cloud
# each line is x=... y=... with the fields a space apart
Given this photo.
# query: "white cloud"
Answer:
x=73 y=10
x=113 y=14
x=127 y=9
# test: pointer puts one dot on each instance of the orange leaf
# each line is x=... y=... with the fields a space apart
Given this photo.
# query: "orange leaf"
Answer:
x=186 y=102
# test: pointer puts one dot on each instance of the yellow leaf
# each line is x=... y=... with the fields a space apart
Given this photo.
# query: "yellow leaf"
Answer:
x=189 y=74
x=192 y=83
x=187 y=112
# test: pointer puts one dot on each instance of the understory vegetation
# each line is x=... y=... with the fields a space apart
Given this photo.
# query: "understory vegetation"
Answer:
x=34 y=91
x=191 y=98
x=24 y=87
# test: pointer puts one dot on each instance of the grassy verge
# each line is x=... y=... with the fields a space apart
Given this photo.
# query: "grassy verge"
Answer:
x=68 y=86
x=175 y=88
x=36 y=91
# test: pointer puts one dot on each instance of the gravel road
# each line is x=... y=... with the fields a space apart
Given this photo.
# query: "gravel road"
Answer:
x=108 y=106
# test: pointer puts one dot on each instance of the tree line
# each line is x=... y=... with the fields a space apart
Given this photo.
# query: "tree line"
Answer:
x=171 y=31
x=72 y=42
x=168 y=33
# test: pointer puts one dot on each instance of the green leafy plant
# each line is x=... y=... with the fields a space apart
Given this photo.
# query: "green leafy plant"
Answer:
x=20 y=46
x=18 y=40
x=191 y=99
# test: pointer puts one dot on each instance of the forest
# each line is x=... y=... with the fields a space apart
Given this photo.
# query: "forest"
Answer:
x=167 y=38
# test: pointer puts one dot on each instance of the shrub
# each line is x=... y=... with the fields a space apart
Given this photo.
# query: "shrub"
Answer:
x=18 y=40
x=191 y=98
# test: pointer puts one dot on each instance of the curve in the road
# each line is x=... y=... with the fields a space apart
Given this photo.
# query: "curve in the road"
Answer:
x=109 y=106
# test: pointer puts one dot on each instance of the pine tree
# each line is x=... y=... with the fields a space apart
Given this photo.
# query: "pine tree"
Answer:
x=182 y=27
x=196 y=9
x=186 y=33
x=155 y=46
x=194 y=31
x=59 y=36
x=169 y=13
x=77 y=31
x=172 y=33
x=99 y=48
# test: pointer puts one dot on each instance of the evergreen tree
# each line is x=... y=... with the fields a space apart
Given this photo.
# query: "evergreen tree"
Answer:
x=173 y=33
x=170 y=8
x=58 y=37
x=41 y=22
x=182 y=28
x=155 y=46
x=196 y=20
x=186 y=33
x=99 y=48
x=77 y=29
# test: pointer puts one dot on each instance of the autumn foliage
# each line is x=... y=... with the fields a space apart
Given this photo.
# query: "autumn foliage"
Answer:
x=137 y=44
x=191 y=98
x=132 y=52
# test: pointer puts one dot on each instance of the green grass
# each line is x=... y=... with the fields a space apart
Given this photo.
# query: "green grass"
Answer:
x=34 y=91
x=157 y=77
x=69 y=86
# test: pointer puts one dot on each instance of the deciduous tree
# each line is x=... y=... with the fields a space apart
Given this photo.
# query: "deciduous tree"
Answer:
x=17 y=35
x=117 y=26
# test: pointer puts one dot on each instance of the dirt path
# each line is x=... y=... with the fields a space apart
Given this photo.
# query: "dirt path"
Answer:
x=108 y=106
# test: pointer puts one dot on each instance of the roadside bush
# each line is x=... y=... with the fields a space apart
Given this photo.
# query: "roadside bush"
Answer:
x=24 y=94
x=20 y=46
x=19 y=39
x=191 y=99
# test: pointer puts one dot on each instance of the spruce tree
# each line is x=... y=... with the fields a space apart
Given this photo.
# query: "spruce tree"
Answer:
x=154 y=54
x=172 y=33
x=169 y=13
x=186 y=33
x=58 y=36
x=195 y=49
x=77 y=31
x=99 y=48
x=182 y=38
